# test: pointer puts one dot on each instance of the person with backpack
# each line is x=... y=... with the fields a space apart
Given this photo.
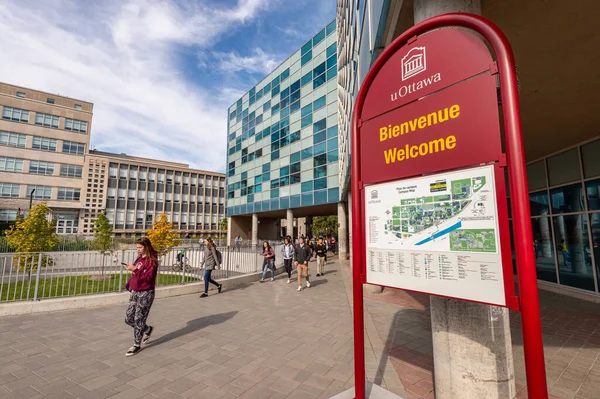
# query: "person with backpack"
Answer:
x=303 y=255
x=269 y=261
x=141 y=285
x=212 y=260
x=332 y=244
x=288 y=256
x=321 y=252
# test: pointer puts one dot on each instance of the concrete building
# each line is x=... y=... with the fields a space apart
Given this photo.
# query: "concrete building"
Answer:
x=558 y=85
x=282 y=160
x=43 y=141
x=134 y=190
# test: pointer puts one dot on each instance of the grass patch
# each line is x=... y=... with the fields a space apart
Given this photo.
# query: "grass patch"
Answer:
x=57 y=287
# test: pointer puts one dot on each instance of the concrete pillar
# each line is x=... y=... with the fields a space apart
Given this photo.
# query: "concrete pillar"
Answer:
x=290 y=223
x=254 y=229
x=342 y=231
x=229 y=237
x=471 y=342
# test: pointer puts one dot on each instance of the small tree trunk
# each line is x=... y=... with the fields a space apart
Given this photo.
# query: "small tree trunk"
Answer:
x=103 y=256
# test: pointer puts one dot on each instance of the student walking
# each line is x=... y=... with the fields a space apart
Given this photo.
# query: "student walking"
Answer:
x=141 y=285
x=269 y=261
x=238 y=243
x=321 y=252
x=211 y=262
x=288 y=257
x=303 y=255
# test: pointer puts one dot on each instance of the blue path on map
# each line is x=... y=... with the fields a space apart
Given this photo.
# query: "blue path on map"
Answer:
x=440 y=233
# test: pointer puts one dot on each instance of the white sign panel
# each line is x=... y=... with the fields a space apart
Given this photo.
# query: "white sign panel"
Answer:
x=437 y=234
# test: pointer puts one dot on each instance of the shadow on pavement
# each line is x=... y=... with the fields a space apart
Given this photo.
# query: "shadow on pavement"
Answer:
x=315 y=283
x=192 y=326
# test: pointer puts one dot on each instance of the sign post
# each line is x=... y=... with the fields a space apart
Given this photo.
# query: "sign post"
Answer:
x=428 y=170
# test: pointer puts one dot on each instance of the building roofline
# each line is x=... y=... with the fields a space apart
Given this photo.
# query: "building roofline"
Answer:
x=48 y=93
x=152 y=162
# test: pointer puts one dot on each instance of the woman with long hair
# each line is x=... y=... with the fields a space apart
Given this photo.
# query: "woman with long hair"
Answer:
x=288 y=257
x=268 y=263
x=141 y=284
x=209 y=264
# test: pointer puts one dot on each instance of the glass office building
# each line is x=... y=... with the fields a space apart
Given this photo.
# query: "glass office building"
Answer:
x=283 y=134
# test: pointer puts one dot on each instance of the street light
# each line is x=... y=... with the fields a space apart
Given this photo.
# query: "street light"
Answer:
x=31 y=198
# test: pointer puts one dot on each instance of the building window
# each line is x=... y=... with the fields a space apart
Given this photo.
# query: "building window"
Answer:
x=41 y=168
x=41 y=192
x=71 y=147
x=13 y=139
x=75 y=125
x=46 y=120
x=78 y=107
x=11 y=164
x=8 y=215
x=9 y=190
x=66 y=222
x=20 y=94
x=15 y=114
x=50 y=100
x=69 y=194
x=71 y=170
x=43 y=143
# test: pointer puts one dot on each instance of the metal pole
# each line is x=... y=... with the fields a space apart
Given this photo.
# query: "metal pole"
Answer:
x=31 y=198
x=37 y=277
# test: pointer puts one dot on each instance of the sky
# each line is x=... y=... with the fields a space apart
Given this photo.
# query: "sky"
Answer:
x=161 y=73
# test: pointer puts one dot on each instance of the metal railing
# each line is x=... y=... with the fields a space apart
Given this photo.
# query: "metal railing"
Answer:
x=37 y=276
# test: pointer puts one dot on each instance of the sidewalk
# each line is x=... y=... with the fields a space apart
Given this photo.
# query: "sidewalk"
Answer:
x=571 y=329
x=259 y=341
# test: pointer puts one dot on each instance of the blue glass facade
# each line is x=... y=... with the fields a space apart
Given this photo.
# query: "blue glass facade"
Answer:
x=283 y=134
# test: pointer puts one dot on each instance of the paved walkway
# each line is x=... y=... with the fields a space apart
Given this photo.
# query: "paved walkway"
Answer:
x=571 y=329
x=260 y=341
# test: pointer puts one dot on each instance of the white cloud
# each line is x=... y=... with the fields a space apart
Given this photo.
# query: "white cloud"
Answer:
x=121 y=55
x=257 y=62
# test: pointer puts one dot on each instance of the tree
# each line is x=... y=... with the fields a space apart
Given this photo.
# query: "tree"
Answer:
x=223 y=226
x=162 y=236
x=103 y=238
x=30 y=235
x=325 y=225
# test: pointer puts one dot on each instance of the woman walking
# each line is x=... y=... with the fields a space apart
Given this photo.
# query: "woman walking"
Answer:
x=141 y=285
x=268 y=263
x=288 y=256
x=210 y=263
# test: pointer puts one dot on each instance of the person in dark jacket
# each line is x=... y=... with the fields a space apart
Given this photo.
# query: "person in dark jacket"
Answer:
x=209 y=264
x=302 y=254
x=321 y=252
x=141 y=284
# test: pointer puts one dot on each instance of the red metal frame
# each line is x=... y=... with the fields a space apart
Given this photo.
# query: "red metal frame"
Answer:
x=529 y=301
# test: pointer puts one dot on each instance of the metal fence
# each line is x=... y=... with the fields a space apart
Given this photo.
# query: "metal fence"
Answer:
x=37 y=276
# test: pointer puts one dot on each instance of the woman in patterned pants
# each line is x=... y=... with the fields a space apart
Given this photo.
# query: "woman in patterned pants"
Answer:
x=141 y=284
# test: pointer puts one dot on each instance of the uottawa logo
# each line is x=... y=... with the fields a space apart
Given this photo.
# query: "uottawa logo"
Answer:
x=414 y=63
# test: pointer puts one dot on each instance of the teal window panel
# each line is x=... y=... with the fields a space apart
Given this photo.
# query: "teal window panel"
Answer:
x=320 y=197
x=318 y=38
x=306 y=58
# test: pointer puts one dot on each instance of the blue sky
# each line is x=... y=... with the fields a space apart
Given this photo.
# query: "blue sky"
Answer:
x=161 y=74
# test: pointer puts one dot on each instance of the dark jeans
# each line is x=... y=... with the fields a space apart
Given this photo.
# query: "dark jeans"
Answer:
x=287 y=263
x=208 y=279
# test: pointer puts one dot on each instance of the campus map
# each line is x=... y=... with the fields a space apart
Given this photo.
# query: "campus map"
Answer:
x=436 y=234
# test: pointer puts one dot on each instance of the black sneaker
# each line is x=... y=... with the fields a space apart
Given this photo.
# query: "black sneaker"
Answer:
x=204 y=295
x=147 y=335
x=134 y=350
x=220 y=288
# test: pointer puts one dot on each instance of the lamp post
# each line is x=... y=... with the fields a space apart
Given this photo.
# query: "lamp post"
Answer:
x=31 y=198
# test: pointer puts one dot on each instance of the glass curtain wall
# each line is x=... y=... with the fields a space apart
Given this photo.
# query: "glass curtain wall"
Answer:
x=564 y=196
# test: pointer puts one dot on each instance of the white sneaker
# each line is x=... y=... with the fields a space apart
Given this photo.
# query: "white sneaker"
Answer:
x=308 y=284
x=299 y=288
x=272 y=278
x=289 y=281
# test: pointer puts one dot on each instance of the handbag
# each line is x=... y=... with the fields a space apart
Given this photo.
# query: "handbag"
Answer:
x=127 y=286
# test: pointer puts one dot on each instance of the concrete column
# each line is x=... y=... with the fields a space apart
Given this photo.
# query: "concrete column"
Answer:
x=471 y=342
x=229 y=237
x=254 y=229
x=290 y=223
x=342 y=231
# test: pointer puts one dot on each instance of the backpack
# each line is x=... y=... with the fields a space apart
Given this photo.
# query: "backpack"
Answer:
x=219 y=257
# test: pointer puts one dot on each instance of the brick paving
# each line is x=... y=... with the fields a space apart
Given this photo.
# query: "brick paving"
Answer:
x=260 y=341
x=571 y=329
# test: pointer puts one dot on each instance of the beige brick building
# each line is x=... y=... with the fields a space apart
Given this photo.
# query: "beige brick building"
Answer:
x=43 y=141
